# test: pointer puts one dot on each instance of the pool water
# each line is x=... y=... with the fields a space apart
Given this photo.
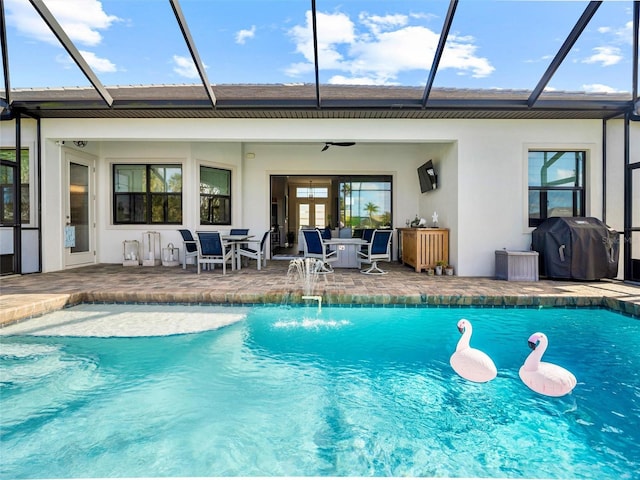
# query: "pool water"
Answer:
x=290 y=391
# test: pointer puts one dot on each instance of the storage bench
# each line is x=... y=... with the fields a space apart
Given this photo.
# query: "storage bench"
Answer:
x=517 y=266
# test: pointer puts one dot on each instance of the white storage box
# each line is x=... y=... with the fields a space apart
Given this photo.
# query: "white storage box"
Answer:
x=517 y=266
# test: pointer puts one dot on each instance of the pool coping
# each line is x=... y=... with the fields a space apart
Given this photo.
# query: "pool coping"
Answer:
x=52 y=302
x=30 y=295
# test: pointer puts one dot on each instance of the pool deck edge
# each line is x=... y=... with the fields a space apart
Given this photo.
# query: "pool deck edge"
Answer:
x=32 y=295
x=16 y=308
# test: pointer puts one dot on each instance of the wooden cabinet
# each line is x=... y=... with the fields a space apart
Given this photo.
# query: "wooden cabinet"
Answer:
x=423 y=247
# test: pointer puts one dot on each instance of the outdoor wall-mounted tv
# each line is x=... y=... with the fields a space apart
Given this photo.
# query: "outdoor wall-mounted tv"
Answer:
x=427 y=176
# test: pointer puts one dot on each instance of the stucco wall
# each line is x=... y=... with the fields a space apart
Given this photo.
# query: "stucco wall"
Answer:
x=492 y=182
x=482 y=194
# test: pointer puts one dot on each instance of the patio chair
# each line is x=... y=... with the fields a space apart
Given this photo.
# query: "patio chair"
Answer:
x=212 y=251
x=259 y=253
x=367 y=234
x=189 y=246
x=314 y=247
x=239 y=231
x=345 y=232
x=325 y=234
x=379 y=250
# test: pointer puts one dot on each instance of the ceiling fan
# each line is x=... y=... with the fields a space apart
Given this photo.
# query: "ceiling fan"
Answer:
x=337 y=144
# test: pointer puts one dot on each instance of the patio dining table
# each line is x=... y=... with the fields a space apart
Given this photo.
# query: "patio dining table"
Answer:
x=235 y=241
x=347 y=249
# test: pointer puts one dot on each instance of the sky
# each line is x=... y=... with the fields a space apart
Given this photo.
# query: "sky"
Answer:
x=491 y=45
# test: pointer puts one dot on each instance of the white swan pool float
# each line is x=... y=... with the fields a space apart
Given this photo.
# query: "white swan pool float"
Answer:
x=471 y=363
x=542 y=377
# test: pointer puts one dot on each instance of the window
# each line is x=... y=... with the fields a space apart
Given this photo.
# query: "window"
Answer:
x=215 y=196
x=365 y=202
x=147 y=194
x=312 y=192
x=8 y=170
x=556 y=185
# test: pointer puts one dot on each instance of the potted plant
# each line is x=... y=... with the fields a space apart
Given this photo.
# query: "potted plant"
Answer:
x=430 y=272
x=440 y=264
x=448 y=270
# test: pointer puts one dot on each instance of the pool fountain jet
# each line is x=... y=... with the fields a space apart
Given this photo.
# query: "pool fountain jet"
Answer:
x=305 y=271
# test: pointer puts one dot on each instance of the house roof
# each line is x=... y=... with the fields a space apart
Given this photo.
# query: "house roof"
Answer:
x=299 y=101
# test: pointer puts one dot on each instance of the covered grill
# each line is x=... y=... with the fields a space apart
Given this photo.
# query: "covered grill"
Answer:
x=580 y=248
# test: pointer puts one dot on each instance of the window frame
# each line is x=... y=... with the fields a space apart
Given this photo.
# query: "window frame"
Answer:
x=579 y=189
x=343 y=208
x=227 y=199
x=30 y=197
x=149 y=198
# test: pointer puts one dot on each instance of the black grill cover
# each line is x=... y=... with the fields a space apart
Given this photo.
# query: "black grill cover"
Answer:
x=580 y=248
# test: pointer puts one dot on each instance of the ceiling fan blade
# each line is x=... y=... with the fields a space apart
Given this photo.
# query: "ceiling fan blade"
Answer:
x=337 y=144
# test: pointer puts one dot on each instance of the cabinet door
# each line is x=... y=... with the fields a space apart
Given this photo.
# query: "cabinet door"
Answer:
x=409 y=252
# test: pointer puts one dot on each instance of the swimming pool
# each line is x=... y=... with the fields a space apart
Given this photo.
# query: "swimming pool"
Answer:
x=289 y=391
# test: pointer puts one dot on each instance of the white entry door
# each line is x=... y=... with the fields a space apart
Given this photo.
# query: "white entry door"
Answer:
x=313 y=214
x=79 y=228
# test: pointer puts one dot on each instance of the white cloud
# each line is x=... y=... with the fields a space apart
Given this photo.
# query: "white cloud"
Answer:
x=377 y=23
x=243 y=35
x=100 y=65
x=334 y=30
x=82 y=20
x=342 y=80
x=462 y=56
x=599 y=88
x=424 y=16
x=185 y=67
x=543 y=58
x=26 y=20
x=377 y=49
x=606 y=56
x=65 y=61
x=298 y=69
x=409 y=48
x=97 y=64
x=625 y=34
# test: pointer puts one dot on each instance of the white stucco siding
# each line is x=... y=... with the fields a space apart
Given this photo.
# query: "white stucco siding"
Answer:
x=492 y=183
x=398 y=160
x=53 y=212
x=481 y=165
x=444 y=199
x=615 y=172
x=190 y=155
